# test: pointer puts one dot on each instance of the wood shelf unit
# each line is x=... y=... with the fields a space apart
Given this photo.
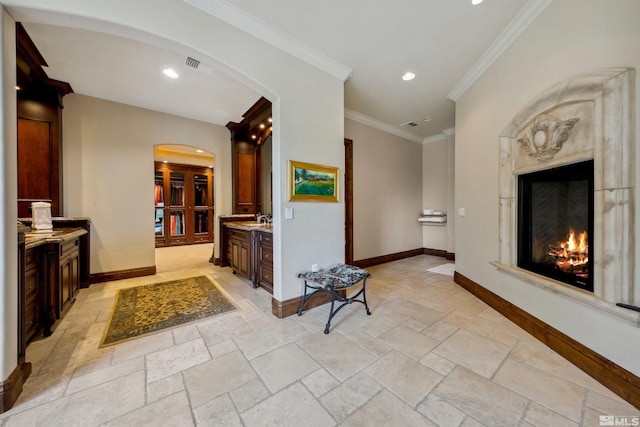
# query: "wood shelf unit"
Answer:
x=184 y=206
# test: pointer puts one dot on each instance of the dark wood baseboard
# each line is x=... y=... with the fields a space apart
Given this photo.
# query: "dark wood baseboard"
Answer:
x=282 y=309
x=614 y=377
x=434 y=252
x=370 y=262
x=122 y=274
x=11 y=388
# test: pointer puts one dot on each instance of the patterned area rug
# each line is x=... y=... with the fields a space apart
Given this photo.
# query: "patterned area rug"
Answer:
x=150 y=308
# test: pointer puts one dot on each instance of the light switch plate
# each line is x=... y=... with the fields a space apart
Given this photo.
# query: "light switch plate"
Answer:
x=288 y=213
x=461 y=211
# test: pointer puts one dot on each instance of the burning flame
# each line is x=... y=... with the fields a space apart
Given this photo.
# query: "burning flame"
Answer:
x=572 y=256
x=573 y=246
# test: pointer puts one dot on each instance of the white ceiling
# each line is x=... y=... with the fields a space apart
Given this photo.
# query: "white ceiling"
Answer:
x=377 y=40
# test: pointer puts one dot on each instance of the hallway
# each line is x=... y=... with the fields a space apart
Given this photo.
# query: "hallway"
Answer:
x=430 y=354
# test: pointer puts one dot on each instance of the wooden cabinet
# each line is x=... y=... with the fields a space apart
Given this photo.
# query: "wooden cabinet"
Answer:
x=33 y=281
x=244 y=177
x=39 y=125
x=249 y=252
x=68 y=273
x=183 y=204
x=51 y=279
x=241 y=259
x=248 y=138
x=265 y=260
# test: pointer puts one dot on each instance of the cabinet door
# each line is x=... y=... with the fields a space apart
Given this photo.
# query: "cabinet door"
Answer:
x=74 y=279
x=64 y=282
x=184 y=206
x=244 y=178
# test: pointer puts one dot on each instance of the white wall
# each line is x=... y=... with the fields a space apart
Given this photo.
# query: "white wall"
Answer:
x=570 y=37
x=387 y=192
x=434 y=192
x=108 y=171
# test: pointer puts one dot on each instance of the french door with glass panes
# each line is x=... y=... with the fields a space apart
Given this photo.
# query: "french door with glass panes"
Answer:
x=183 y=204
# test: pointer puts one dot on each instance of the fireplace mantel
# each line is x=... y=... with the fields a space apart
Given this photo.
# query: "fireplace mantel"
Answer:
x=597 y=110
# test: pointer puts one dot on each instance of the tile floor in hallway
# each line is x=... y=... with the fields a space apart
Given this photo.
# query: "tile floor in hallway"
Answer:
x=430 y=354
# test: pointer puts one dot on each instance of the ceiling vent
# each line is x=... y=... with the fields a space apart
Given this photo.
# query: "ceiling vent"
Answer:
x=409 y=124
x=193 y=63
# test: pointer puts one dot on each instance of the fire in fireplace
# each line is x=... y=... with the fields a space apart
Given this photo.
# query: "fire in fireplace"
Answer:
x=555 y=223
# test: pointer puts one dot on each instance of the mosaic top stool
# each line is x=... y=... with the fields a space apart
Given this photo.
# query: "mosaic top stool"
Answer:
x=333 y=280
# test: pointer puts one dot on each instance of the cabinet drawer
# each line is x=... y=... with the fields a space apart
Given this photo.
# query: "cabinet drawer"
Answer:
x=30 y=288
x=31 y=319
x=266 y=274
x=266 y=239
x=239 y=235
x=266 y=255
x=30 y=259
x=69 y=247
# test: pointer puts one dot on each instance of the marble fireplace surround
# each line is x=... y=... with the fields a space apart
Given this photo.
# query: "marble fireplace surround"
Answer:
x=587 y=117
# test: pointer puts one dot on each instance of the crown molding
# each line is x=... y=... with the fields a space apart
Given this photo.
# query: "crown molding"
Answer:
x=440 y=136
x=385 y=127
x=523 y=19
x=238 y=18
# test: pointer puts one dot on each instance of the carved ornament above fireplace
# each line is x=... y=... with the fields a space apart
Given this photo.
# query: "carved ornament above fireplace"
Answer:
x=589 y=117
x=545 y=136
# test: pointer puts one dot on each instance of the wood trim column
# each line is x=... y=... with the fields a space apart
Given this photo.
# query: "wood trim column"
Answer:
x=348 y=201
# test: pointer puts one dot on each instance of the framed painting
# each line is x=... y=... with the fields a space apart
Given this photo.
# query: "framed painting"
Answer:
x=312 y=183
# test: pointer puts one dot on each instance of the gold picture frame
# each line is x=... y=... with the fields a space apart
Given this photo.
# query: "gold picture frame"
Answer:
x=309 y=182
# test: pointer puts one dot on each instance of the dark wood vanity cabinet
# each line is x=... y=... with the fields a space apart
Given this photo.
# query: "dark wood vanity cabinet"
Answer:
x=33 y=282
x=249 y=253
x=265 y=260
x=240 y=253
x=68 y=274
x=52 y=278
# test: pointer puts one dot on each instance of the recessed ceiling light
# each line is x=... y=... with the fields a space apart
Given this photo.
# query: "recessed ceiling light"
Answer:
x=165 y=161
x=426 y=119
x=199 y=151
x=408 y=76
x=169 y=72
x=474 y=2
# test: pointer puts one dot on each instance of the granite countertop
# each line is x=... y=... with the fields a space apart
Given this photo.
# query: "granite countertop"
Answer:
x=239 y=216
x=58 y=219
x=58 y=235
x=250 y=226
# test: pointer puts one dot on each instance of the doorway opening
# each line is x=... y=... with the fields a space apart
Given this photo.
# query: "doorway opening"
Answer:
x=183 y=196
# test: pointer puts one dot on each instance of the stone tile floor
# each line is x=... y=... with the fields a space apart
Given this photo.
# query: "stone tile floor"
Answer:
x=430 y=354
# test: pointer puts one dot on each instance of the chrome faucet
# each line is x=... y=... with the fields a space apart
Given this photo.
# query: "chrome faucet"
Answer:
x=267 y=218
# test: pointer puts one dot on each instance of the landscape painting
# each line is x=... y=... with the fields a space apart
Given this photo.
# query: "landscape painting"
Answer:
x=313 y=183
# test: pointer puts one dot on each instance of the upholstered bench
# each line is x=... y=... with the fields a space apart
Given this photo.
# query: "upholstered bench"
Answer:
x=333 y=280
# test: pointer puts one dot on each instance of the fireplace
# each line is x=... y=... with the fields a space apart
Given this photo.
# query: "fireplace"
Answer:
x=567 y=164
x=555 y=223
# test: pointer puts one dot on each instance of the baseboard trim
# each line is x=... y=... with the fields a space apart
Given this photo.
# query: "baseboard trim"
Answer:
x=370 y=262
x=434 y=252
x=617 y=379
x=383 y=259
x=122 y=274
x=282 y=309
x=11 y=388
